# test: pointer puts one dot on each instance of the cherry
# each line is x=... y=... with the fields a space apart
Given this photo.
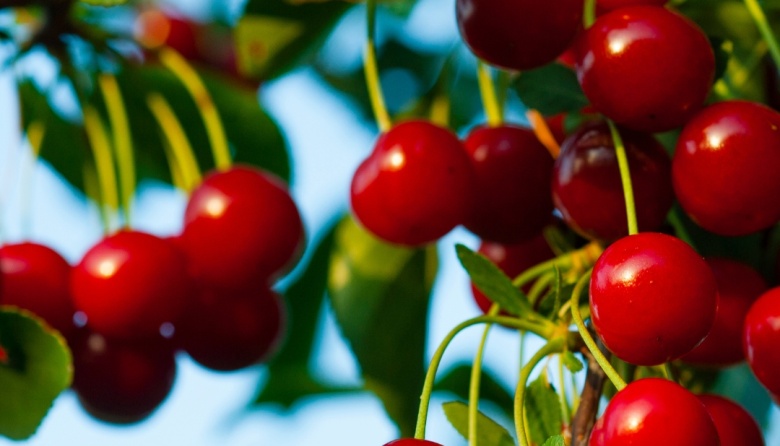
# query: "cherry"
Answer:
x=586 y=186
x=156 y=27
x=36 y=278
x=226 y=331
x=724 y=168
x=129 y=284
x=604 y=6
x=241 y=229
x=736 y=427
x=739 y=286
x=119 y=381
x=645 y=67
x=654 y=411
x=513 y=173
x=652 y=298
x=416 y=186
x=519 y=34
x=411 y=442
x=761 y=339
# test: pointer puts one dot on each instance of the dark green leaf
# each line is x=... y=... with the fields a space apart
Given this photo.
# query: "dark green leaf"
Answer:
x=489 y=433
x=104 y=2
x=551 y=89
x=741 y=385
x=489 y=279
x=543 y=410
x=456 y=380
x=556 y=440
x=380 y=295
x=35 y=368
x=571 y=362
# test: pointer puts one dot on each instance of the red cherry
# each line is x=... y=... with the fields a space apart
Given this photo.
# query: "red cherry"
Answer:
x=587 y=190
x=645 y=67
x=652 y=412
x=724 y=168
x=411 y=442
x=129 y=284
x=513 y=170
x=225 y=331
x=416 y=186
x=121 y=382
x=241 y=229
x=36 y=278
x=604 y=6
x=739 y=286
x=518 y=34
x=761 y=339
x=736 y=427
x=652 y=298
x=155 y=28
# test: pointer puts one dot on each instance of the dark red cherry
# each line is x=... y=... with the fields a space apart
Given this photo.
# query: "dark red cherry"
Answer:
x=226 y=331
x=155 y=28
x=736 y=427
x=652 y=412
x=518 y=34
x=241 y=229
x=416 y=186
x=129 y=284
x=761 y=339
x=724 y=168
x=37 y=278
x=652 y=298
x=645 y=67
x=739 y=286
x=587 y=190
x=411 y=442
x=121 y=382
x=604 y=6
x=513 y=170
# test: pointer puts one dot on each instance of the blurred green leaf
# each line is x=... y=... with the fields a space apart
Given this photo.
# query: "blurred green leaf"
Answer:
x=456 y=380
x=740 y=384
x=489 y=433
x=543 y=410
x=556 y=440
x=104 y=2
x=550 y=90
x=571 y=362
x=489 y=279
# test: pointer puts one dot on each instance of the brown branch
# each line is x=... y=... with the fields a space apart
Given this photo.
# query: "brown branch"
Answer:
x=585 y=417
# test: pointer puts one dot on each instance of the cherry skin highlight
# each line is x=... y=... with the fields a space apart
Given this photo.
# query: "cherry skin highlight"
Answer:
x=761 y=339
x=736 y=427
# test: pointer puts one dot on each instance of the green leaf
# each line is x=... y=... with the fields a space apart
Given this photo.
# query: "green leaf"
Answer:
x=380 y=295
x=489 y=279
x=543 y=410
x=456 y=380
x=36 y=367
x=741 y=385
x=550 y=90
x=556 y=440
x=104 y=2
x=571 y=362
x=489 y=433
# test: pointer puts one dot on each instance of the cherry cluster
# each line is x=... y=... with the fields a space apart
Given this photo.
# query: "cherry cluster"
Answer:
x=139 y=298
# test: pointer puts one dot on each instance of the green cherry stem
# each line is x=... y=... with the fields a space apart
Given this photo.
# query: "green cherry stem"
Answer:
x=625 y=178
x=589 y=13
x=488 y=93
x=583 y=257
x=587 y=338
x=565 y=408
x=475 y=379
x=763 y=27
x=372 y=71
x=104 y=164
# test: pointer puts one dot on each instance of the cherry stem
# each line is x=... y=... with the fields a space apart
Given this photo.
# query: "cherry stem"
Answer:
x=182 y=159
x=581 y=258
x=680 y=230
x=35 y=133
x=104 y=165
x=589 y=13
x=123 y=142
x=553 y=346
x=475 y=379
x=208 y=111
x=625 y=178
x=488 y=93
x=543 y=133
x=763 y=27
x=544 y=329
x=602 y=360
x=565 y=408
x=371 y=69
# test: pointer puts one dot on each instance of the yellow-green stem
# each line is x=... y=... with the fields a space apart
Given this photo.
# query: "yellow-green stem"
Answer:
x=625 y=178
x=104 y=163
x=488 y=93
x=371 y=68
x=475 y=380
x=589 y=13
x=565 y=413
x=766 y=31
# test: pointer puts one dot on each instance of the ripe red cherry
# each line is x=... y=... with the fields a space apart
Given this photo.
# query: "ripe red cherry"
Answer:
x=129 y=284
x=652 y=298
x=118 y=381
x=736 y=427
x=513 y=171
x=37 y=278
x=645 y=67
x=155 y=28
x=724 y=168
x=739 y=286
x=241 y=229
x=518 y=34
x=587 y=190
x=416 y=186
x=411 y=442
x=604 y=6
x=652 y=412
x=761 y=339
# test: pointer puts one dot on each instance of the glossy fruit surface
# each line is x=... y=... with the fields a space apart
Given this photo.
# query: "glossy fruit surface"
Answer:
x=739 y=286
x=129 y=284
x=587 y=190
x=513 y=173
x=645 y=67
x=652 y=412
x=241 y=229
x=416 y=186
x=652 y=298
x=761 y=339
x=519 y=34
x=411 y=442
x=736 y=427
x=724 y=168
x=37 y=278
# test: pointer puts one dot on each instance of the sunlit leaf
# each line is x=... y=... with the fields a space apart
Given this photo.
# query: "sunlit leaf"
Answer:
x=489 y=433
x=493 y=282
